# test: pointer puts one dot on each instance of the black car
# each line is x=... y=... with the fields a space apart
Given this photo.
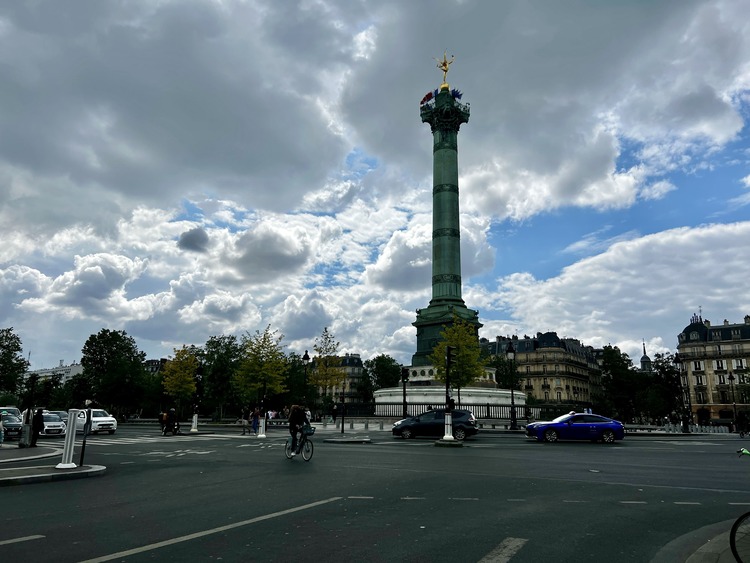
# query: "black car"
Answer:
x=12 y=425
x=432 y=423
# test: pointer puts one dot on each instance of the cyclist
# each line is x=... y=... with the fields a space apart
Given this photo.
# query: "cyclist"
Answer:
x=297 y=419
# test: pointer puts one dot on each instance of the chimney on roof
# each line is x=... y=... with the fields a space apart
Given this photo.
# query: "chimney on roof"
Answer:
x=707 y=323
x=726 y=322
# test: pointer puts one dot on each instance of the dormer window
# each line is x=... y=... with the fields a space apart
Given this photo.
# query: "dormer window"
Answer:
x=694 y=335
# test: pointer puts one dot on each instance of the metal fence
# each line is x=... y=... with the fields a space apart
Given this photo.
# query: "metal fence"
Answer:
x=487 y=411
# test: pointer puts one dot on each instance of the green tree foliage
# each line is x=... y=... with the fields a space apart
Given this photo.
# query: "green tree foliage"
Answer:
x=620 y=385
x=467 y=366
x=662 y=394
x=221 y=358
x=299 y=390
x=12 y=363
x=327 y=371
x=179 y=375
x=383 y=371
x=262 y=367
x=506 y=372
x=113 y=367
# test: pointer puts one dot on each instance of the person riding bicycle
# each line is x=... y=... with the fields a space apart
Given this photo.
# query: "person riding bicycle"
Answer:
x=297 y=419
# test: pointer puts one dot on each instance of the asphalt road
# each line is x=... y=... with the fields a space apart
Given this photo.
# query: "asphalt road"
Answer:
x=499 y=498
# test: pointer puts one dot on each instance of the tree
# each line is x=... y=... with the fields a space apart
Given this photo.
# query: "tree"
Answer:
x=327 y=372
x=383 y=371
x=619 y=385
x=467 y=365
x=299 y=391
x=221 y=358
x=179 y=375
x=113 y=366
x=262 y=367
x=12 y=363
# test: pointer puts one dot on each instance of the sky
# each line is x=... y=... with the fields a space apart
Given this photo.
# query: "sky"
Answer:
x=186 y=169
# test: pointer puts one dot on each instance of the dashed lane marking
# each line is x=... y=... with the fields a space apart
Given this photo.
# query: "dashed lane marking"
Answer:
x=25 y=538
x=505 y=551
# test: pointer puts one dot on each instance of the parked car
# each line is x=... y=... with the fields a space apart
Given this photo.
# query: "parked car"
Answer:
x=577 y=426
x=53 y=425
x=101 y=421
x=12 y=425
x=62 y=414
x=432 y=423
x=11 y=410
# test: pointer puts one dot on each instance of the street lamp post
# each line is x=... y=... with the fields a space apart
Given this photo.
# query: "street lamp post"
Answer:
x=305 y=361
x=343 y=404
x=510 y=354
x=404 y=379
x=734 y=403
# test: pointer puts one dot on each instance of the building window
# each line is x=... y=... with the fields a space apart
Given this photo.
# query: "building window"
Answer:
x=719 y=364
x=716 y=335
x=544 y=369
x=699 y=380
x=724 y=398
x=697 y=366
x=528 y=369
x=701 y=397
x=546 y=396
x=557 y=382
x=742 y=380
x=694 y=335
x=559 y=396
x=739 y=363
x=721 y=379
x=545 y=381
x=557 y=368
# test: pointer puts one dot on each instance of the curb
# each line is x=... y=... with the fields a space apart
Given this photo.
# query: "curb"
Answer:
x=46 y=474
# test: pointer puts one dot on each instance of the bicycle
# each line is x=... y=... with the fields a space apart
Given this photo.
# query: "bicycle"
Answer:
x=739 y=536
x=304 y=444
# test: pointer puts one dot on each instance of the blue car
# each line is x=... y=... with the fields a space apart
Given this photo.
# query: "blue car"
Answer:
x=577 y=426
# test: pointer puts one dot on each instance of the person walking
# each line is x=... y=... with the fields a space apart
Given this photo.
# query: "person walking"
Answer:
x=37 y=425
x=255 y=420
x=2 y=432
x=244 y=420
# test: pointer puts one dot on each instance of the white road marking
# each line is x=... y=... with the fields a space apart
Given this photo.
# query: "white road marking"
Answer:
x=576 y=501
x=688 y=503
x=412 y=498
x=516 y=499
x=205 y=533
x=738 y=503
x=505 y=551
x=363 y=498
x=463 y=498
x=633 y=502
x=17 y=540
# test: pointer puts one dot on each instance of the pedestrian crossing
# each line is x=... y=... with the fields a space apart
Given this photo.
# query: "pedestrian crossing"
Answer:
x=151 y=439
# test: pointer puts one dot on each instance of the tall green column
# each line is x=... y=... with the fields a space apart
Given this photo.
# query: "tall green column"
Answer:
x=445 y=114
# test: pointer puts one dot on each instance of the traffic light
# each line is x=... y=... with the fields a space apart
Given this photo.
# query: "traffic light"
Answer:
x=404 y=374
x=450 y=359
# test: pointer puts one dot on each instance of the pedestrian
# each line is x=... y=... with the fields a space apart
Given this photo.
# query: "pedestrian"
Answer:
x=244 y=415
x=256 y=420
x=2 y=432
x=334 y=412
x=37 y=425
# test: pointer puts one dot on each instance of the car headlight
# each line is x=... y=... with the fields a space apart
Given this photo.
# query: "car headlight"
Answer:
x=397 y=422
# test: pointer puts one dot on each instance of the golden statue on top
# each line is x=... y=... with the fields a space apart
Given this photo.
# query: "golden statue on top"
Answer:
x=444 y=65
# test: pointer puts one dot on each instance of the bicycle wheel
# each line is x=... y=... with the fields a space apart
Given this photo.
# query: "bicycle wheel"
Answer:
x=307 y=450
x=288 y=448
x=739 y=538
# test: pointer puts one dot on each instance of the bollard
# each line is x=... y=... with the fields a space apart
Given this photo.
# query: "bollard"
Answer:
x=367 y=423
x=381 y=424
x=194 y=428
x=351 y=425
x=70 y=439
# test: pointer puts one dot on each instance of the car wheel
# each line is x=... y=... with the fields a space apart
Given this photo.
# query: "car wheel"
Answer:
x=459 y=433
x=608 y=437
x=111 y=431
x=550 y=435
x=406 y=434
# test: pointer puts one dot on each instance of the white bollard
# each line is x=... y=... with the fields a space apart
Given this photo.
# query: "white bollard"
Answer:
x=194 y=428
x=70 y=439
x=448 y=426
x=262 y=429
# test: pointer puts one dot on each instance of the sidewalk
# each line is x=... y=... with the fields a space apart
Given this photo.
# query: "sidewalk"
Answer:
x=39 y=473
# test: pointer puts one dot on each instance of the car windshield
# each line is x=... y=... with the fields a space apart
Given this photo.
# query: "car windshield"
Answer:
x=99 y=414
x=52 y=418
x=10 y=418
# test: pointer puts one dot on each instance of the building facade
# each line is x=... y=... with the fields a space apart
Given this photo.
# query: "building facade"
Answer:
x=65 y=372
x=553 y=369
x=713 y=366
